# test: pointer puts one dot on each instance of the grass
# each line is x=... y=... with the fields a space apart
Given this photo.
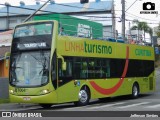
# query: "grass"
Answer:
x=4 y=101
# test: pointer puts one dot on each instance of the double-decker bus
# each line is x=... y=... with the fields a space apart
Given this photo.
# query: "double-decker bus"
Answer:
x=47 y=68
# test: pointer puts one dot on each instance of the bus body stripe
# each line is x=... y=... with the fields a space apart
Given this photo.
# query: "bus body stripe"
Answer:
x=117 y=86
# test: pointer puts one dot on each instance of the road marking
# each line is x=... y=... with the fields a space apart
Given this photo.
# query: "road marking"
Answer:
x=133 y=105
x=73 y=108
x=108 y=105
x=153 y=106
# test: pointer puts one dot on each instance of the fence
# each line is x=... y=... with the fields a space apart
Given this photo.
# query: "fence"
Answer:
x=4 y=90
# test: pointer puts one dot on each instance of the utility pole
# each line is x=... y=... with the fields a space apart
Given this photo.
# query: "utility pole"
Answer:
x=123 y=19
x=7 y=23
x=113 y=21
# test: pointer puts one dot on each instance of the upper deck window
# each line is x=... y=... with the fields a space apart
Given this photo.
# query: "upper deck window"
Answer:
x=33 y=29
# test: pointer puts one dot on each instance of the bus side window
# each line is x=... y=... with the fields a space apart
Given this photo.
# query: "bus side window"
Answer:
x=84 y=70
x=108 y=69
x=60 y=71
x=69 y=69
x=102 y=68
x=91 y=68
x=68 y=72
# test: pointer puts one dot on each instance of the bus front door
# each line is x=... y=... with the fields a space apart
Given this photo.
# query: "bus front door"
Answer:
x=66 y=88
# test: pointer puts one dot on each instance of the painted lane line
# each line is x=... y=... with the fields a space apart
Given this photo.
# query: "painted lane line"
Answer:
x=74 y=108
x=133 y=105
x=109 y=105
x=153 y=106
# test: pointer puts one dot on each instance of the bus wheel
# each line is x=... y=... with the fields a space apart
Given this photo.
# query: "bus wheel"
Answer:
x=135 y=90
x=46 y=105
x=84 y=96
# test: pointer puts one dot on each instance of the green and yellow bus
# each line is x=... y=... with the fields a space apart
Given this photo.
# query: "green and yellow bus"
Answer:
x=47 y=68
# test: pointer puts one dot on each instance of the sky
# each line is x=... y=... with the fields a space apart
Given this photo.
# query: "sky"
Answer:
x=132 y=13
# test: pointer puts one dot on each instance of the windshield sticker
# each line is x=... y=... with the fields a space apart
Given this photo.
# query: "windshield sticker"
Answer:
x=27 y=81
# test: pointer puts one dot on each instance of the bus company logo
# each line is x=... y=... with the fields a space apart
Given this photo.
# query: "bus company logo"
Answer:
x=87 y=48
x=148 y=8
x=141 y=52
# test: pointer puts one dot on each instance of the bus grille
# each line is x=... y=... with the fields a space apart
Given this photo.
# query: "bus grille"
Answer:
x=151 y=83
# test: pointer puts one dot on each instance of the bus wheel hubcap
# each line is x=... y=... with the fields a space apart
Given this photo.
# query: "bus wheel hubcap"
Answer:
x=83 y=96
x=135 y=91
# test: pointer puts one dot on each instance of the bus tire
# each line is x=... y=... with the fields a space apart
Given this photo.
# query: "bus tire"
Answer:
x=135 y=90
x=84 y=97
x=46 y=105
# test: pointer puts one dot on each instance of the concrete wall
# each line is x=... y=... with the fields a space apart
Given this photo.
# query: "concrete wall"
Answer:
x=4 y=92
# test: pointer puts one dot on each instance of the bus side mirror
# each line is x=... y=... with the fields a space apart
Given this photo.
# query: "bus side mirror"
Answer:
x=7 y=55
x=64 y=66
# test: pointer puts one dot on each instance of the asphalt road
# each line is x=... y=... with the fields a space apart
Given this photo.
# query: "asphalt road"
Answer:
x=146 y=102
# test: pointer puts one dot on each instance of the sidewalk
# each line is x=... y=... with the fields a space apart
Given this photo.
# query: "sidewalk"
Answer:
x=17 y=106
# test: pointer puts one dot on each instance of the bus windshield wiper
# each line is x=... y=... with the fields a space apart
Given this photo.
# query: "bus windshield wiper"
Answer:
x=16 y=67
x=43 y=66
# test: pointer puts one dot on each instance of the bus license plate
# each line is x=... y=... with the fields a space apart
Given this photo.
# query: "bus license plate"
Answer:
x=26 y=98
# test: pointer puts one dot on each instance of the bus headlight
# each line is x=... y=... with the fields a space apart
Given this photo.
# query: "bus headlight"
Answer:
x=11 y=91
x=45 y=91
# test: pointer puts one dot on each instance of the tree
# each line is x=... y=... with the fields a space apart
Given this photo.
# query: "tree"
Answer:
x=141 y=26
x=150 y=31
x=158 y=31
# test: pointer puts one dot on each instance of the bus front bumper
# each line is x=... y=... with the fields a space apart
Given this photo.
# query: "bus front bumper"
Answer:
x=49 y=98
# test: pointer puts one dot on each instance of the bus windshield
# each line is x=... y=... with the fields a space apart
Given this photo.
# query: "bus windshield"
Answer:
x=30 y=68
x=33 y=29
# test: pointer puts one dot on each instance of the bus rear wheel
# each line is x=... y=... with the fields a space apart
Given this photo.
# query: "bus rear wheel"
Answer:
x=46 y=105
x=84 y=97
x=135 y=90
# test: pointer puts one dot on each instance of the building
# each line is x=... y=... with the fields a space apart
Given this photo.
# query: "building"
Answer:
x=4 y=63
x=5 y=42
x=156 y=40
x=135 y=35
x=98 y=11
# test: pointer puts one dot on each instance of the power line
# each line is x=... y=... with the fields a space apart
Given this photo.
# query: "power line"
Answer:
x=140 y=17
x=74 y=6
x=48 y=12
x=146 y=22
x=77 y=6
x=26 y=8
x=99 y=16
x=12 y=13
x=36 y=11
x=131 y=5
